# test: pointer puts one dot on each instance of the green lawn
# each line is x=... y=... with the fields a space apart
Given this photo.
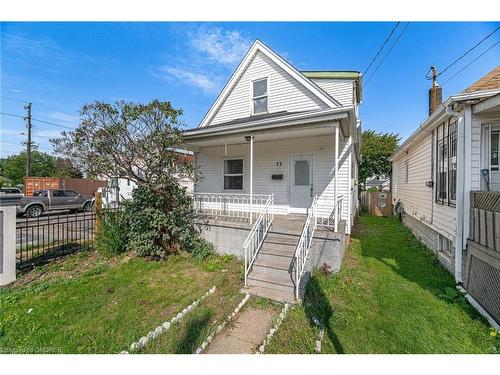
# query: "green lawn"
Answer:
x=88 y=303
x=390 y=297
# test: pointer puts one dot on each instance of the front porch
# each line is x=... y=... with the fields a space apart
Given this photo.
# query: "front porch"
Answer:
x=279 y=250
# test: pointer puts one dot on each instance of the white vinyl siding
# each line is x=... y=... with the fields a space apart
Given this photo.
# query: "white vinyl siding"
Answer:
x=475 y=172
x=267 y=156
x=342 y=90
x=417 y=198
x=284 y=92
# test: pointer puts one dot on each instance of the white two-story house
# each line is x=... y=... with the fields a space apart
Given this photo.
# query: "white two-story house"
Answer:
x=280 y=140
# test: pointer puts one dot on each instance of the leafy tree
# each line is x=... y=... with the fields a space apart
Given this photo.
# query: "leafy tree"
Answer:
x=376 y=149
x=42 y=165
x=14 y=166
x=138 y=141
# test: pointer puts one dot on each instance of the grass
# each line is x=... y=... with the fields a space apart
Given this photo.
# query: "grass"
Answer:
x=391 y=296
x=88 y=303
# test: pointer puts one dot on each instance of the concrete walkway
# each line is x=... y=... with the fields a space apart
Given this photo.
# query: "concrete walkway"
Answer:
x=244 y=334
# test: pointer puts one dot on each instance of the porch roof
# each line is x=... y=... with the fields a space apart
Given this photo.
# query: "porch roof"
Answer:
x=276 y=125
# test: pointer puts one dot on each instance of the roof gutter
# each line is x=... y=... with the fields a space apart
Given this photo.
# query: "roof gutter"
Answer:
x=293 y=119
x=440 y=112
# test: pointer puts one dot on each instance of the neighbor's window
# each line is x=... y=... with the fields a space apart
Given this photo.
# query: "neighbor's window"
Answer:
x=494 y=150
x=233 y=174
x=446 y=162
x=259 y=96
x=406 y=171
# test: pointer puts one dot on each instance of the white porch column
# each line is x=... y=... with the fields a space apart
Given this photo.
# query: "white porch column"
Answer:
x=251 y=179
x=336 y=176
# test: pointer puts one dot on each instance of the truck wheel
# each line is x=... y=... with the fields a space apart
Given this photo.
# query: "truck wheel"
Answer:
x=34 y=211
x=87 y=207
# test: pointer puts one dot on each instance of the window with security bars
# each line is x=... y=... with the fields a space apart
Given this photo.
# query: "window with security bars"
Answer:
x=446 y=162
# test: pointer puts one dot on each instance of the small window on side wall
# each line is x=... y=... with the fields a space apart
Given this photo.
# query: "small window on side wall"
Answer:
x=259 y=96
x=233 y=174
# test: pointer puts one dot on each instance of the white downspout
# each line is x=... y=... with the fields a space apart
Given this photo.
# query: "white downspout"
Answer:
x=251 y=178
x=349 y=187
x=336 y=176
x=462 y=188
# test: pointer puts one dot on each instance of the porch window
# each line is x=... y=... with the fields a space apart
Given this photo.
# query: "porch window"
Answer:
x=259 y=96
x=233 y=174
x=446 y=162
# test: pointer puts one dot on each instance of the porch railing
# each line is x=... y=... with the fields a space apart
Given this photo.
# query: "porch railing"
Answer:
x=304 y=244
x=329 y=221
x=223 y=206
x=257 y=235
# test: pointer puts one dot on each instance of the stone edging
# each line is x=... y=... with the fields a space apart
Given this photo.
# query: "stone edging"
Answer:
x=273 y=330
x=164 y=327
x=221 y=326
x=321 y=334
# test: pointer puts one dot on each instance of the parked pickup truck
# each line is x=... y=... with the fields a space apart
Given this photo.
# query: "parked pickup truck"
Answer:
x=50 y=200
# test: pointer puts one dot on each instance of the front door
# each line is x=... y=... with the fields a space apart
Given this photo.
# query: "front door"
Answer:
x=301 y=182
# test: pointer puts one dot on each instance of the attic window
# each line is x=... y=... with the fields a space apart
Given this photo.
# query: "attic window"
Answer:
x=259 y=96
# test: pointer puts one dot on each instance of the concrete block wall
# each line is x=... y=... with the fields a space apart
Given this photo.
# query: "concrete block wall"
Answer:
x=430 y=238
x=227 y=239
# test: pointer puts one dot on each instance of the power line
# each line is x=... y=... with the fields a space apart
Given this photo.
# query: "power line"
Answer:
x=11 y=114
x=382 y=47
x=469 y=50
x=53 y=124
x=387 y=54
x=38 y=120
x=469 y=64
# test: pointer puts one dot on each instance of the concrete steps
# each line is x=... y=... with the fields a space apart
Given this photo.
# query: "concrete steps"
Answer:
x=273 y=271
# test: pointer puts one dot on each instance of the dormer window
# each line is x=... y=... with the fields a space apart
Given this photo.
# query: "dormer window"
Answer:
x=259 y=96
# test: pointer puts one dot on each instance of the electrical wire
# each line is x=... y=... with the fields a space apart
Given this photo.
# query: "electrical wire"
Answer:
x=382 y=47
x=468 y=51
x=387 y=54
x=469 y=64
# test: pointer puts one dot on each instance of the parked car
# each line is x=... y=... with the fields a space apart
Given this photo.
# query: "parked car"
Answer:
x=49 y=200
x=10 y=190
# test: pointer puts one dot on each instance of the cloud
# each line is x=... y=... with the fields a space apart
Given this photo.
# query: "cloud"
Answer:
x=64 y=117
x=209 y=57
x=226 y=47
x=30 y=48
x=204 y=82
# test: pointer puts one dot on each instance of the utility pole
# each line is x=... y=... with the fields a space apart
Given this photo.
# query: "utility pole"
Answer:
x=28 y=143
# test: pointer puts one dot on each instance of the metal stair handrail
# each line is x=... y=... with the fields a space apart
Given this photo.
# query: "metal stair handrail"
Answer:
x=304 y=244
x=256 y=236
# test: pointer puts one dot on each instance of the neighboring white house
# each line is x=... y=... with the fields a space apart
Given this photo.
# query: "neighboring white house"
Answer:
x=119 y=189
x=453 y=152
x=276 y=130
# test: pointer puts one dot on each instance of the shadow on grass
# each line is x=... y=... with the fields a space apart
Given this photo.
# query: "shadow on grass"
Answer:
x=31 y=257
x=194 y=329
x=388 y=241
x=317 y=305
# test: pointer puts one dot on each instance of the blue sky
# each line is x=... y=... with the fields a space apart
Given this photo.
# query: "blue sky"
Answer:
x=60 y=66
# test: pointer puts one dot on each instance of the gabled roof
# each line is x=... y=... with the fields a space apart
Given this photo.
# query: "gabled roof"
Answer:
x=256 y=47
x=488 y=82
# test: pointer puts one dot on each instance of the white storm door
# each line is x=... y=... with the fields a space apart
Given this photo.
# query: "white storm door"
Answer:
x=301 y=182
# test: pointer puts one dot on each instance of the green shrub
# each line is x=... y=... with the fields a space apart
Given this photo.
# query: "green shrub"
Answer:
x=114 y=227
x=160 y=226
